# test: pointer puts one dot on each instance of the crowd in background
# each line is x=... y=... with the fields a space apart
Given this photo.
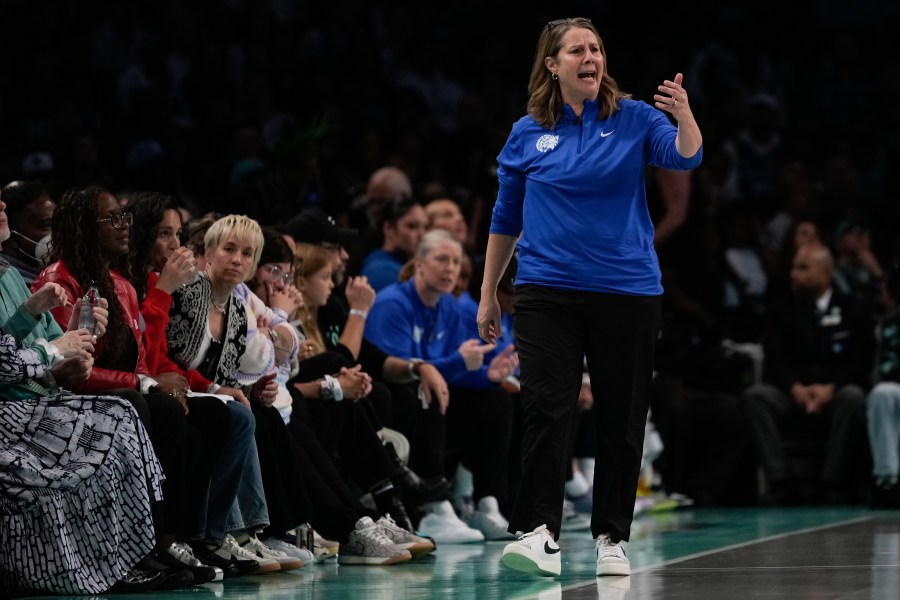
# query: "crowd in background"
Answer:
x=266 y=109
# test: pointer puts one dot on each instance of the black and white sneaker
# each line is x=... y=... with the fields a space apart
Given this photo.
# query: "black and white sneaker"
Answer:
x=180 y=555
x=206 y=553
x=536 y=552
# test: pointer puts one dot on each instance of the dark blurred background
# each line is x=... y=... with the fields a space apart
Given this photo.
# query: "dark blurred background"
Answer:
x=263 y=107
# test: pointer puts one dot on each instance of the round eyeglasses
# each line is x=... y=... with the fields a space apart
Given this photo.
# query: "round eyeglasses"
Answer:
x=274 y=273
x=118 y=220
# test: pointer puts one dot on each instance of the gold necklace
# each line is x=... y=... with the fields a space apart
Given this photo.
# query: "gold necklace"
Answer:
x=219 y=307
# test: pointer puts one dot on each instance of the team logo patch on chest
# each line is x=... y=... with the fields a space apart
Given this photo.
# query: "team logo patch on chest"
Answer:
x=547 y=142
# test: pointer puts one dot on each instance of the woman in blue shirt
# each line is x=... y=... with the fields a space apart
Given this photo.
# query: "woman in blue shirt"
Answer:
x=572 y=198
x=419 y=320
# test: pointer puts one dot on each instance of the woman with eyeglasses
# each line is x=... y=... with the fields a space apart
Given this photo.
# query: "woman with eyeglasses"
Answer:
x=90 y=234
x=323 y=425
x=572 y=199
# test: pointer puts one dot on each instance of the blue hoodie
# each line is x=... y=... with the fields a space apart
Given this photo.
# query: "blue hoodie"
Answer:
x=576 y=193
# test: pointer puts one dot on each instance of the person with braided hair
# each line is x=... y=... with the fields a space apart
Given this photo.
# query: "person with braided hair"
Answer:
x=89 y=234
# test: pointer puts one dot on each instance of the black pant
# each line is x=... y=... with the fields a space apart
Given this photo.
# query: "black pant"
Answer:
x=300 y=481
x=769 y=409
x=555 y=330
x=475 y=431
x=188 y=449
x=347 y=429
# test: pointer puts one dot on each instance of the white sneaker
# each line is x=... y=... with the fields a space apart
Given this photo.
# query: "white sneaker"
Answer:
x=288 y=548
x=578 y=486
x=442 y=524
x=261 y=551
x=231 y=550
x=611 y=558
x=488 y=520
x=535 y=553
x=417 y=546
x=324 y=549
x=368 y=545
x=572 y=520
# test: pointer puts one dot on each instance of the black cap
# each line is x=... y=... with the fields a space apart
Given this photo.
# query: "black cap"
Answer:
x=314 y=226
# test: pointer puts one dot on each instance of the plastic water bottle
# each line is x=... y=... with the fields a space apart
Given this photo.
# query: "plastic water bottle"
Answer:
x=86 y=319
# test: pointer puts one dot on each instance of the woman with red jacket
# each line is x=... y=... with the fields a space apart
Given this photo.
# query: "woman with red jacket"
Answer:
x=89 y=233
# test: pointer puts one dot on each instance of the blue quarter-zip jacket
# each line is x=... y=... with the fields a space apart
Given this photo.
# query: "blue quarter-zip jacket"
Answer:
x=400 y=324
x=576 y=193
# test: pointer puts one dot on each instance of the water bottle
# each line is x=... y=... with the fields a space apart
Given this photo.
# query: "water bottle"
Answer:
x=86 y=319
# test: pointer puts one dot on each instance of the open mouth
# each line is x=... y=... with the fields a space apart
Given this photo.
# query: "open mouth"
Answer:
x=588 y=76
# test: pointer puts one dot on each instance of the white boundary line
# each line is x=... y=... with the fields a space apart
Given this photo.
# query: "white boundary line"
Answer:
x=770 y=538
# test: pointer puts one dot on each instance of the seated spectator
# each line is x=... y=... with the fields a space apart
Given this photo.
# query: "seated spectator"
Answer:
x=29 y=211
x=385 y=185
x=77 y=508
x=74 y=522
x=353 y=431
x=419 y=320
x=804 y=230
x=858 y=270
x=883 y=406
x=341 y=322
x=446 y=214
x=817 y=358
x=212 y=330
x=236 y=503
x=403 y=225
x=89 y=234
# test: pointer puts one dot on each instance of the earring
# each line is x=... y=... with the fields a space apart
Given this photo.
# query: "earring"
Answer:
x=554 y=76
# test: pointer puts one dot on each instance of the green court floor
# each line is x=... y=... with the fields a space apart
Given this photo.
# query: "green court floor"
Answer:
x=474 y=571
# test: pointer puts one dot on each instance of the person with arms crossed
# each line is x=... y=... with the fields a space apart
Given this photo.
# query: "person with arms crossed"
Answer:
x=572 y=197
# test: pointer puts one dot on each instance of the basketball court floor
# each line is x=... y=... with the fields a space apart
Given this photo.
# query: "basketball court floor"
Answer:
x=706 y=554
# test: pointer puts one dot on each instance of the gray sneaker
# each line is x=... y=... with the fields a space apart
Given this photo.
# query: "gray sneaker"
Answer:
x=417 y=546
x=367 y=544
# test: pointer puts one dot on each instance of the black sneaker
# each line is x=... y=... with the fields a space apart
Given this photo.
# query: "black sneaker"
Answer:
x=137 y=580
x=180 y=556
x=173 y=578
x=205 y=553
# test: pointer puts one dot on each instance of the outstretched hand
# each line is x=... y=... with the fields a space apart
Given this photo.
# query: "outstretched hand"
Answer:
x=473 y=352
x=673 y=98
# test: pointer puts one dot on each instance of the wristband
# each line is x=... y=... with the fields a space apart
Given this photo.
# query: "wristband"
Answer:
x=414 y=364
x=330 y=389
x=359 y=313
